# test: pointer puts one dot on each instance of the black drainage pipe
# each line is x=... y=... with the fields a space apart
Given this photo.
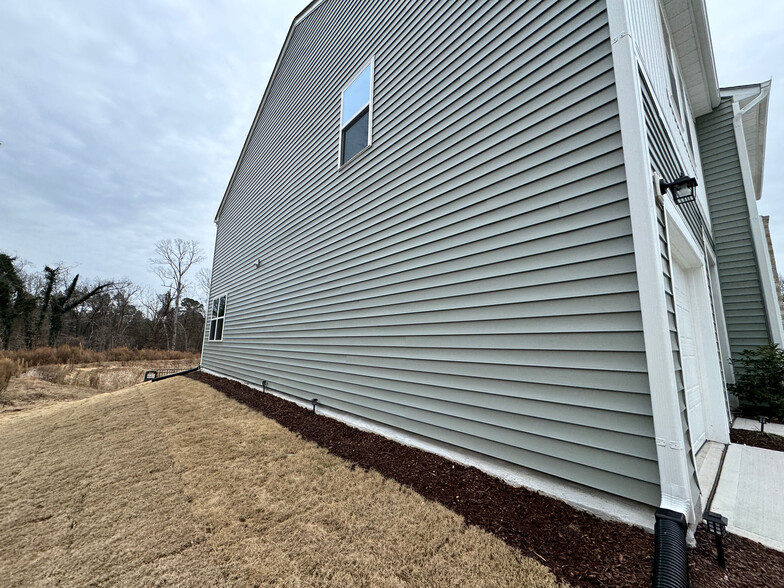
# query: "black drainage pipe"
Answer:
x=198 y=367
x=670 y=559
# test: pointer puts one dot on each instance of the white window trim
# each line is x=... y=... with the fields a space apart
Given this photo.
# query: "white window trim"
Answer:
x=372 y=63
x=209 y=321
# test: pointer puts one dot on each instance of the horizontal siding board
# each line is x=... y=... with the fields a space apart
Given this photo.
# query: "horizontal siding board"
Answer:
x=471 y=276
x=735 y=257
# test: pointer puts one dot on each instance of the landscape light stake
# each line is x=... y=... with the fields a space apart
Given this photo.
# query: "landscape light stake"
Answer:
x=315 y=402
x=717 y=526
x=762 y=420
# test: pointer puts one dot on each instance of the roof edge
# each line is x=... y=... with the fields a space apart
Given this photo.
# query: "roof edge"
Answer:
x=297 y=19
x=702 y=29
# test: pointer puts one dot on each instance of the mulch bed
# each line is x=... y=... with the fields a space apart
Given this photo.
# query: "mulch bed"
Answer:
x=581 y=549
x=757 y=439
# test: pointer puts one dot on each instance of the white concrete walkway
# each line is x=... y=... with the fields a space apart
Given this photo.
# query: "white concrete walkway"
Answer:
x=752 y=425
x=751 y=494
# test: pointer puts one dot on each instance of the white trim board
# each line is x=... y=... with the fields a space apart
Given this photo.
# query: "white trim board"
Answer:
x=675 y=477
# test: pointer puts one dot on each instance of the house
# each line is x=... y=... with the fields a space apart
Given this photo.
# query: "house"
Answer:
x=473 y=226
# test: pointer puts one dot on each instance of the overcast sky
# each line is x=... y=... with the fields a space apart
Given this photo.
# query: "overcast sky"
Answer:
x=121 y=122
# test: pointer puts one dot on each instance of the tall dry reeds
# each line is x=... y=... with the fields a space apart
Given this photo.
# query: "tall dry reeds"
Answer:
x=71 y=355
x=7 y=370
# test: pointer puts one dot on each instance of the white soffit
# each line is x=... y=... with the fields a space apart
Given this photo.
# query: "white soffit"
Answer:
x=688 y=21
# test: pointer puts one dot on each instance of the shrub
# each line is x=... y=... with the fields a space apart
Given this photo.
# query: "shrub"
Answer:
x=760 y=379
x=7 y=369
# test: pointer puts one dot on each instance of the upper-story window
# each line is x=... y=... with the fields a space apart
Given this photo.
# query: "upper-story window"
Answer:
x=356 y=114
x=677 y=92
x=217 y=317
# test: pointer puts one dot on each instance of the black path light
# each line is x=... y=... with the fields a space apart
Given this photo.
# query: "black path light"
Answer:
x=682 y=189
x=717 y=526
x=762 y=420
x=314 y=402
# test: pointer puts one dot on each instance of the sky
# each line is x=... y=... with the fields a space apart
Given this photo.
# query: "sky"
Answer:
x=121 y=122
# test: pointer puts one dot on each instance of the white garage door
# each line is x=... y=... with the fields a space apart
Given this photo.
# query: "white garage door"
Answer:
x=690 y=358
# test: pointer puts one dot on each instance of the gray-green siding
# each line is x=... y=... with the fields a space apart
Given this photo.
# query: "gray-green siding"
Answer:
x=471 y=277
x=736 y=261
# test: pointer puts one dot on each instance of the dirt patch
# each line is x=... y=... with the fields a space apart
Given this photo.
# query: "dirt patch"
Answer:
x=757 y=439
x=580 y=548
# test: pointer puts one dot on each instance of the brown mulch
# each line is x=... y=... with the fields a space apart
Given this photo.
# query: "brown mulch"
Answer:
x=757 y=439
x=579 y=548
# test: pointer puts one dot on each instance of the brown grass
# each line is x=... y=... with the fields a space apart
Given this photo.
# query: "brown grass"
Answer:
x=49 y=384
x=7 y=370
x=173 y=483
x=66 y=354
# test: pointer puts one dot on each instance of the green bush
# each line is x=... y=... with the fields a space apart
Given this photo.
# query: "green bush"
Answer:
x=759 y=380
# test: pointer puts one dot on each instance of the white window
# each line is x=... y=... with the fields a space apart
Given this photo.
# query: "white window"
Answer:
x=356 y=114
x=217 y=316
x=677 y=92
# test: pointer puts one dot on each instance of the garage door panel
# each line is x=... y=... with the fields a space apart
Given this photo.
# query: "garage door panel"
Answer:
x=689 y=351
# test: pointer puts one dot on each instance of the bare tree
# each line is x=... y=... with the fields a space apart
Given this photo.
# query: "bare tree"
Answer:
x=203 y=279
x=173 y=258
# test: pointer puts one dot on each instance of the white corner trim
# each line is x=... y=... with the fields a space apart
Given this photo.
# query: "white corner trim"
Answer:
x=764 y=267
x=671 y=448
x=594 y=501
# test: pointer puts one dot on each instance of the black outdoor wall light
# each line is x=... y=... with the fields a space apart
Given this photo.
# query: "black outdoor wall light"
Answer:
x=682 y=189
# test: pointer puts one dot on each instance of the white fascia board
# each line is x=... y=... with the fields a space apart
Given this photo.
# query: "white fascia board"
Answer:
x=596 y=502
x=705 y=44
x=764 y=266
x=297 y=19
x=671 y=447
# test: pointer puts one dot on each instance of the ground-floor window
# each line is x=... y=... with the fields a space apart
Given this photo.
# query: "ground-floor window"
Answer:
x=217 y=316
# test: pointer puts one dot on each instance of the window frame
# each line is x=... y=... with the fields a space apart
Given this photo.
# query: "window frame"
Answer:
x=369 y=107
x=215 y=319
x=679 y=101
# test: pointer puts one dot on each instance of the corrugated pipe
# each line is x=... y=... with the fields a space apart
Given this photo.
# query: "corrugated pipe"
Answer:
x=670 y=560
x=198 y=367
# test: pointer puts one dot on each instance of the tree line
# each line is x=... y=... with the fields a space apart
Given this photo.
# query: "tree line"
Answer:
x=54 y=307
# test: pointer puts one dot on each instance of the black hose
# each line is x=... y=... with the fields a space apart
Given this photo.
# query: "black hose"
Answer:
x=670 y=559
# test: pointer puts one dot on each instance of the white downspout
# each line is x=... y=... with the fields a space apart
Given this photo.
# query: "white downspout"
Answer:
x=767 y=280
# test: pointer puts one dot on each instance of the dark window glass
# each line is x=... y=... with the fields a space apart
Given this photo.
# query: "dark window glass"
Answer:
x=219 y=329
x=355 y=136
x=212 y=330
x=674 y=85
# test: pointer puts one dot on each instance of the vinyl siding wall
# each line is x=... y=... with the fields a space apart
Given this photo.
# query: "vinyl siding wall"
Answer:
x=471 y=277
x=744 y=306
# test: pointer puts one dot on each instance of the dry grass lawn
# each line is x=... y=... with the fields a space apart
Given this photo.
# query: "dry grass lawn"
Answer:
x=172 y=483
